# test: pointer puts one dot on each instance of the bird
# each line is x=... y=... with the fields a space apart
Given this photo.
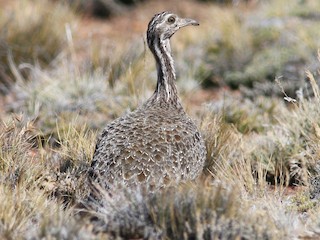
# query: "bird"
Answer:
x=157 y=143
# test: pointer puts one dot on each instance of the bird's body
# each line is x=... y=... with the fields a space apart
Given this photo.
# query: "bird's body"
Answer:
x=157 y=142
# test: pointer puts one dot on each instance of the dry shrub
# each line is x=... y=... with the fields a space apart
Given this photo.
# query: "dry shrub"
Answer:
x=182 y=212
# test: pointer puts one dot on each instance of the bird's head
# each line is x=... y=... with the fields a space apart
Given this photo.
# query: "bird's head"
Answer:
x=164 y=25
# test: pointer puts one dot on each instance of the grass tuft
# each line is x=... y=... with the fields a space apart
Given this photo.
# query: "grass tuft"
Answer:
x=182 y=213
x=29 y=37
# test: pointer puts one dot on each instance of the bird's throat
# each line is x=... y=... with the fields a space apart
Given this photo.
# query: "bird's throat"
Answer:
x=166 y=73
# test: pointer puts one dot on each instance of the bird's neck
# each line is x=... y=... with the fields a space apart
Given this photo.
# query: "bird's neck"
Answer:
x=166 y=89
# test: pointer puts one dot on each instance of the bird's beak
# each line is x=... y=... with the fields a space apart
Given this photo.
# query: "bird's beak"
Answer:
x=183 y=22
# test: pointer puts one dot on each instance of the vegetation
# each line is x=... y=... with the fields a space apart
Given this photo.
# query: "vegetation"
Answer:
x=29 y=38
x=274 y=41
x=261 y=179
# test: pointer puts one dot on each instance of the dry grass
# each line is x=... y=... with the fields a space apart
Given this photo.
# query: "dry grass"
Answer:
x=257 y=146
x=184 y=212
x=27 y=37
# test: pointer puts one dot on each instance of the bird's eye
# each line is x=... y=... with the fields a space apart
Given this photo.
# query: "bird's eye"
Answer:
x=171 y=20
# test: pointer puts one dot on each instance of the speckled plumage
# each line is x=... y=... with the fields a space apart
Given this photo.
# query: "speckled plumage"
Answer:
x=157 y=142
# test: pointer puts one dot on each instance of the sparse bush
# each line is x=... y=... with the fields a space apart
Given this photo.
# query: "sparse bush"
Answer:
x=246 y=115
x=265 y=66
x=223 y=54
x=249 y=52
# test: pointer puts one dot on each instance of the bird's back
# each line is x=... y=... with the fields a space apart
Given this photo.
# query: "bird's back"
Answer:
x=154 y=144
